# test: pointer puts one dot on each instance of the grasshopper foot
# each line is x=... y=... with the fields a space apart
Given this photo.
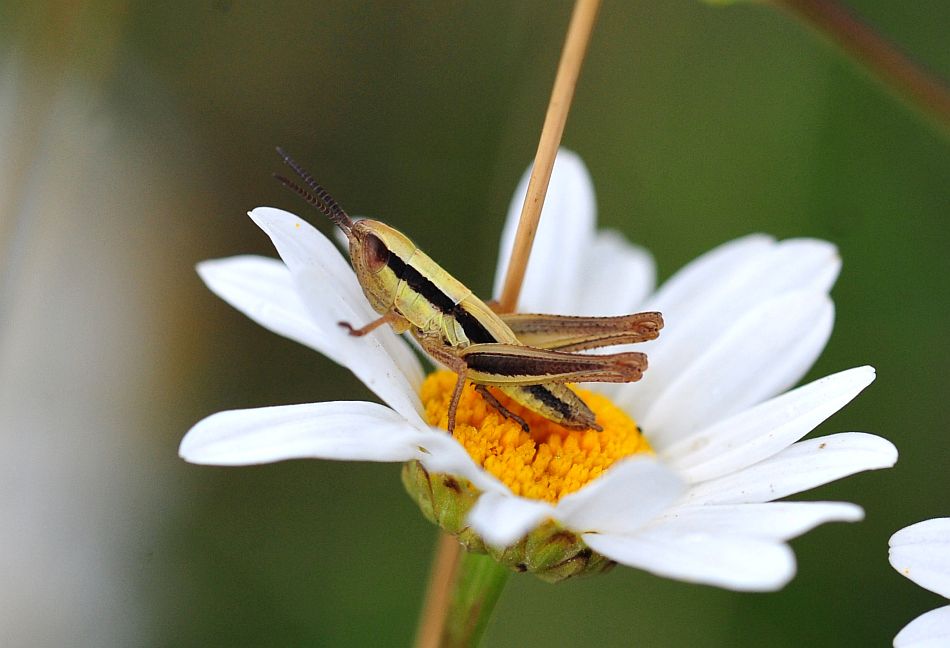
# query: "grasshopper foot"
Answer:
x=372 y=326
x=349 y=329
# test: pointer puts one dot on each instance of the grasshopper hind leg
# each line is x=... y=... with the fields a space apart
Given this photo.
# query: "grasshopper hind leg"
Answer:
x=504 y=411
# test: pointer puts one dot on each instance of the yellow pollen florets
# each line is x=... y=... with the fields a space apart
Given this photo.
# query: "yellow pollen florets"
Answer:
x=546 y=463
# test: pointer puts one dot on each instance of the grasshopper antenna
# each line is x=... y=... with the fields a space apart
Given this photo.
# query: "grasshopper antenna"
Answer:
x=320 y=198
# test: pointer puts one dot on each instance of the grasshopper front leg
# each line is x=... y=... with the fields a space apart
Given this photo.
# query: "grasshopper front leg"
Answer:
x=389 y=318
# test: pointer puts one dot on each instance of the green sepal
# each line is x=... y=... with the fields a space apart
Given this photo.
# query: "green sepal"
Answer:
x=550 y=552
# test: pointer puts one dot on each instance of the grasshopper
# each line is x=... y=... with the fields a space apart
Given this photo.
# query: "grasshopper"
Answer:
x=528 y=357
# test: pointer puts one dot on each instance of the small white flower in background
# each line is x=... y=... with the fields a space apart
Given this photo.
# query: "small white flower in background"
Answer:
x=744 y=323
x=921 y=552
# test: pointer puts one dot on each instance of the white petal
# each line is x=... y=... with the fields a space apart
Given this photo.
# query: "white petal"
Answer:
x=767 y=521
x=330 y=293
x=745 y=272
x=711 y=294
x=263 y=289
x=502 y=520
x=762 y=431
x=350 y=430
x=750 y=361
x=693 y=281
x=930 y=630
x=565 y=233
x=921 y=552
x=802 y=466
x=616 y=276
x=623 y=499
x=732 y=562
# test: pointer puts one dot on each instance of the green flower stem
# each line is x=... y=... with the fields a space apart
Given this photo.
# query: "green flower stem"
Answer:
x=478 y=585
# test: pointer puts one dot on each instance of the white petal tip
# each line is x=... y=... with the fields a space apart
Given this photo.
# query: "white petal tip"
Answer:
x=192 y=450
x=501 y=536
x=264 y=211
x=210 y=269
x=500 y=539
x=853 y=514
x=198 y=447
x=776 y=576
x=921 y=552
x=757 y=583
x=502 y=519
x=204 y=267
x=929 y=630
x=922 y=532
x=888 y=454
x=870 y=452
x=271 y=218
x=869 y=371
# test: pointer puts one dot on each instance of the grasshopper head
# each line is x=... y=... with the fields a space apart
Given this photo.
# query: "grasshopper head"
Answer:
x=377 y=252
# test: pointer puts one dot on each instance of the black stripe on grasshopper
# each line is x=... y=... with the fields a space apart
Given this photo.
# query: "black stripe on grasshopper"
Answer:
x=545 y=395
x=474 y=330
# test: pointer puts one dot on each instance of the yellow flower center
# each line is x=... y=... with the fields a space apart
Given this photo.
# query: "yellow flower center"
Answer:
x=546 y=463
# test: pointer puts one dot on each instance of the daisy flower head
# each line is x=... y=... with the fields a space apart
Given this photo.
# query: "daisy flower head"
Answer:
x=683 y=479
x=921 y=552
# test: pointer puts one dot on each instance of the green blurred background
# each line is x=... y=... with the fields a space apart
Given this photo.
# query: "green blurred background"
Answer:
x=135 y=137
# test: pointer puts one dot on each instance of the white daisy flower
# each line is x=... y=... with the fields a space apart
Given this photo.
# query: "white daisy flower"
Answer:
x=693 y=499
x=921 y=552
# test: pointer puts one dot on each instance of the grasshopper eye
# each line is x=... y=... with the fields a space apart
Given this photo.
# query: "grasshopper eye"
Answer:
x=376 y=253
